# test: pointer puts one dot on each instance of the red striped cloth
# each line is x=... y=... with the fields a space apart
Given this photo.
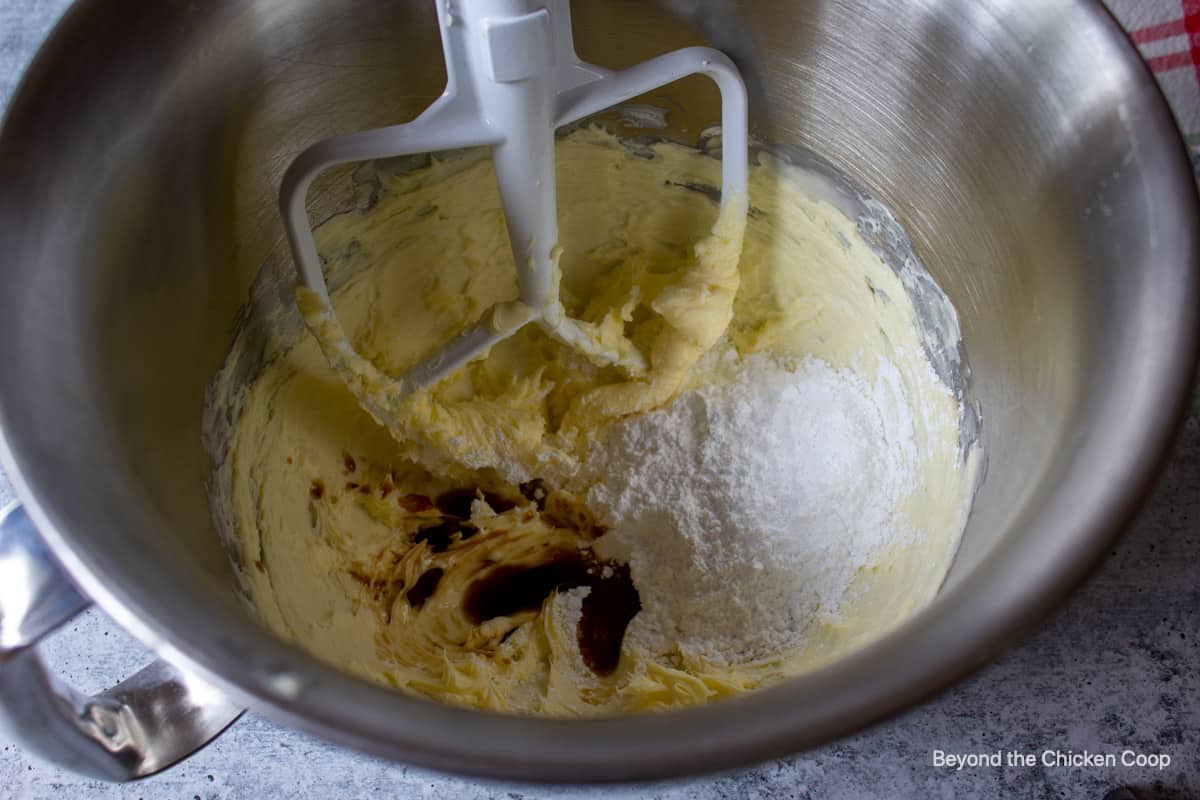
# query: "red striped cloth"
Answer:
x=1167 y=32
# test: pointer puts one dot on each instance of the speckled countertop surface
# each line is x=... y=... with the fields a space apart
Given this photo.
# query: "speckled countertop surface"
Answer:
x=1117 y=668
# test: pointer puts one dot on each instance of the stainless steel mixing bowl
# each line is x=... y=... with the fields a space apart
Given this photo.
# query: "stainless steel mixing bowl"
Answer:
x=1021 y=142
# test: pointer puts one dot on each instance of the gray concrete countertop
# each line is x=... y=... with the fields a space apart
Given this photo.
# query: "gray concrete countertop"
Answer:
x=1117 y=668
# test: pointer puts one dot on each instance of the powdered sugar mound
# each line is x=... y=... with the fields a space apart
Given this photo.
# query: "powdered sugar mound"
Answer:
x=745 y=507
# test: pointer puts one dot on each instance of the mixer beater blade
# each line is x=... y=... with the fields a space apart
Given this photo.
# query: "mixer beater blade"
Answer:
x=513 y=79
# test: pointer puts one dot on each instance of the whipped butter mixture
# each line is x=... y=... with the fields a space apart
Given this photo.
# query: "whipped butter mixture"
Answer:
x=541 y=535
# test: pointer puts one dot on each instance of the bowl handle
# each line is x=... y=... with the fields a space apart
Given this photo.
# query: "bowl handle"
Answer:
x=140 y=726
